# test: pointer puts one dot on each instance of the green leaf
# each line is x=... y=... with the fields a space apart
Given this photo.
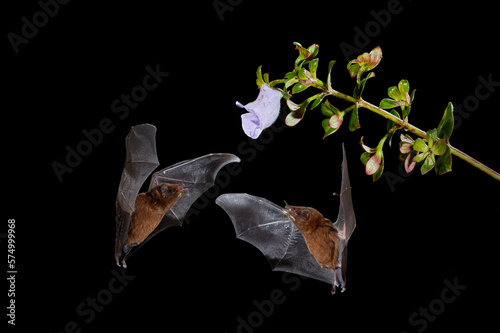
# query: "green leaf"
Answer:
x=406 y=111
x=353 y=67
x=404 y=87
x=412 y=95
x=328 y=110
x=388 y=103
x=445 y=127
x=439 y=147
x=304 y=74
x=317 y=101
x=327 y=128
x=358 y=90
x=313 y=49
x=275 y=82
x=379 y=172
x=354 y=121
x=443 y=163
x=303 y=53
x=259 y=74
x=328 y=80
x=420 y=146
x=365 y=157
x=298 y=88
x=298 y=111
x=291 y=82
x=291 y=75
x=394 y=93
x=420 y=157
x=391 y=132
x=431 y=136
x=313 y=67
x=390 y=123
x=428 y=164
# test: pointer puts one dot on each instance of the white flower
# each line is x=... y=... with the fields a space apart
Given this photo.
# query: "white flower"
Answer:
x=263 y=112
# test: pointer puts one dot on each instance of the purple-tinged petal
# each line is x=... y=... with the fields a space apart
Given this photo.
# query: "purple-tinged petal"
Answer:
x=263 y=112
x=251 y=125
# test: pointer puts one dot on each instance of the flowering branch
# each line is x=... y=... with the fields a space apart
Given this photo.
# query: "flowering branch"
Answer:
x=432 y=148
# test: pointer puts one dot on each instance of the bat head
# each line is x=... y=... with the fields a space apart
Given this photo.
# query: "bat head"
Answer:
x=303 y=217
x=171 y=190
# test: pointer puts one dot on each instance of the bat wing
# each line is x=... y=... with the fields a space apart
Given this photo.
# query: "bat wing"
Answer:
x=264 y=225
x=140 y=161
x=197 y=175
x=346 y=221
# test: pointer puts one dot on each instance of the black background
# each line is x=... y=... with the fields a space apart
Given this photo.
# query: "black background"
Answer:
x=410 y=237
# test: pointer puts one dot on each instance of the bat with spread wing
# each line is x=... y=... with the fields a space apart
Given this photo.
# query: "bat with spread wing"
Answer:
x=296 y=239
x=172 y=191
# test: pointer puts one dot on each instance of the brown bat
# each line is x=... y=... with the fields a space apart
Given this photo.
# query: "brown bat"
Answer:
x=319 y=233
x=296 y=239
x=150 y=207
x=171 y=192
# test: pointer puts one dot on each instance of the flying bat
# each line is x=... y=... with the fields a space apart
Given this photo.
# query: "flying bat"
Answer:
x=172 y=191
x=296 y=239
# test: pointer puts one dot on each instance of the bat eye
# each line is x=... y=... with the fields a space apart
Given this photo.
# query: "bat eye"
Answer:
x=304 y=213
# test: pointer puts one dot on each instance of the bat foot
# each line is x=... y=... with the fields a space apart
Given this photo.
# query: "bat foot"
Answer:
x=334 y=289
x=120 y=260
x=338 y=281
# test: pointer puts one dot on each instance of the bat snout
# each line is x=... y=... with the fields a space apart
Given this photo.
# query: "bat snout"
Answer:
x=296 y=212
x=168 y=190
x=290 y=212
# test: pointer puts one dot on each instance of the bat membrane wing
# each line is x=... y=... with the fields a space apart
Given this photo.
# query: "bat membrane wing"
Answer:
x=197 y=175
x=141 y=160
x=346 y=221
x=264 y=225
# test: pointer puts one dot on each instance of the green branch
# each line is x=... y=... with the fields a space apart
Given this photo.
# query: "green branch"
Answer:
x=432 y=147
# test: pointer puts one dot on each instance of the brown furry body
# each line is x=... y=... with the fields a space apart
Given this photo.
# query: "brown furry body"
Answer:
x=150 y=207
x=319 y=233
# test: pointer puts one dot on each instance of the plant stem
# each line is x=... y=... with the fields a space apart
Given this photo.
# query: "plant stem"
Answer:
x=475 y=163
x=414 y=130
